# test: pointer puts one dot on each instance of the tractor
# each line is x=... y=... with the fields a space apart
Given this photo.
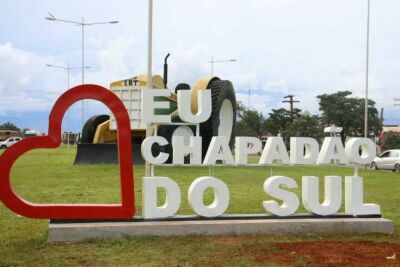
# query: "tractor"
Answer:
x=98 y=143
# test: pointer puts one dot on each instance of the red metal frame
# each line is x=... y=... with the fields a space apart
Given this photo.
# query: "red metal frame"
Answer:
x=126 y=209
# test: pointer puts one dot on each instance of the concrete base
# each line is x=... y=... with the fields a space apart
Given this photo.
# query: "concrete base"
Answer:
x=73 y=232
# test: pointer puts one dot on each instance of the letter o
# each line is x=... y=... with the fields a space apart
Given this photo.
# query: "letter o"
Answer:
x=368 y=150
x=221 y=196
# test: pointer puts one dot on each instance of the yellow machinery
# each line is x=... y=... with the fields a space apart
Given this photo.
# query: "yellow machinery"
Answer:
x=99 y=138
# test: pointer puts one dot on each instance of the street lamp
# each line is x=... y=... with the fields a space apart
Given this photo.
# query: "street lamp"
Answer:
x=147 y=166
x=366 y=77
x=67 y=68
x=82 y=23
x=218 y=61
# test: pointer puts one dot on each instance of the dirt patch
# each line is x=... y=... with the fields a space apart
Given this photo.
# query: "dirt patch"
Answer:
x=344 y=253
x=262 y=252
x=228 y=240
x=317 y=253
x=289 y=259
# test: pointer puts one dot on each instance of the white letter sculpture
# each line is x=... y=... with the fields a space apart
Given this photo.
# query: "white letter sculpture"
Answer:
x=332 y=150
x=150 y=209
x=149 y=105
x=221 y=196
x=146 y=149
x=219 y=150
x=181 y=150
x=333 y=195
x=368 y=150
x=290 y=200
x=303 y=150
x=244 y=146
x=354 y=203
x=274 y=150
x=185 y=108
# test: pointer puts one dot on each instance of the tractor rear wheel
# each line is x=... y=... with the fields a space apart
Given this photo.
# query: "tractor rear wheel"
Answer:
x=223 y=116
x=90 y=127
x=182 y=86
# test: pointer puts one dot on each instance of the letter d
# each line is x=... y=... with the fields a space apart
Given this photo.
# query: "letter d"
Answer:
x=150 y=210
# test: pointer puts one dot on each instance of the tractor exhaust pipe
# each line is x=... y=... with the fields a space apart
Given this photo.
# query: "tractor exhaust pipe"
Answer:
x=166 y=70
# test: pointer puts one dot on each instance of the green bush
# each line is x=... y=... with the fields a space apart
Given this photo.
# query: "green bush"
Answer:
x=392 y=141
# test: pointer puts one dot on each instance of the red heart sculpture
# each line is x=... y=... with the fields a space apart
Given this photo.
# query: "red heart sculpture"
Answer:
x=126 y=209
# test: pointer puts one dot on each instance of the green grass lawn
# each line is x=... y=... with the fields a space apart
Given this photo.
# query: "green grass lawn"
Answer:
x=45 y=176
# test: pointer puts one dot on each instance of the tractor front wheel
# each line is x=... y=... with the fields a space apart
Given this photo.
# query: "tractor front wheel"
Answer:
x=90 y=127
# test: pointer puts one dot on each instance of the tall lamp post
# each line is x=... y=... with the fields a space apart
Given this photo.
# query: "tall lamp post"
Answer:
x=82 y=23
x=67 y=68
x=147 y=165
x=218 y=61
x=366 y=77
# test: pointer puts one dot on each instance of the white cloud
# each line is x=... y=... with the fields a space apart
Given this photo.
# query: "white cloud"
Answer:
x=113 y=60
x=186 y=65
x=244 y=81
x=260 y=102
x=23 y=80
x=275 y=86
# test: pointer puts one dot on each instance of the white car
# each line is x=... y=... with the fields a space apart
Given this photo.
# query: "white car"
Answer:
x=9 y=142
x=388 y=160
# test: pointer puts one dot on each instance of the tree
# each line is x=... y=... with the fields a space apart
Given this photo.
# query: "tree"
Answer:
x=10 y=126
x=280 y=119
x=301 y=125
x=348 y=112
x=250 y=122
x=305 y=125
x=392 y=141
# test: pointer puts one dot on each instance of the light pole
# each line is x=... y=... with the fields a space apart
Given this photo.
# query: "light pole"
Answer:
x=82 y=23
x=366 y=77
x=218 y=61
x=67 y=68
x=147 y=166
x=150 y=46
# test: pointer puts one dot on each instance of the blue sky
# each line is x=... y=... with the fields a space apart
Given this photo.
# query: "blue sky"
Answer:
x=304 y=47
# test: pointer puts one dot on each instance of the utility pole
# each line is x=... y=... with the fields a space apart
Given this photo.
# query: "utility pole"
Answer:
x=291 y=101
x=397 y=100
x=366 y=76
x=381 y=117
x=147 y=165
